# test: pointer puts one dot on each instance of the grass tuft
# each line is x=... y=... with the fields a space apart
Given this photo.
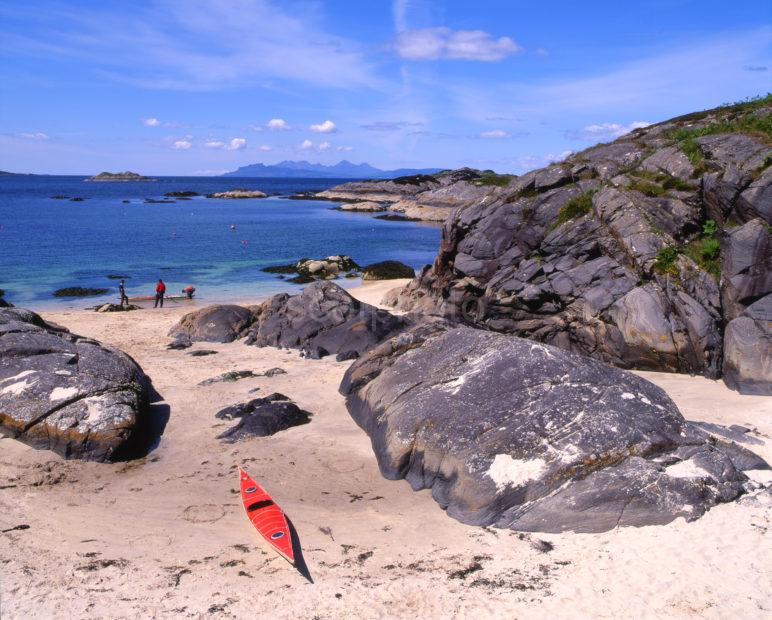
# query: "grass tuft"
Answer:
x=575 y=207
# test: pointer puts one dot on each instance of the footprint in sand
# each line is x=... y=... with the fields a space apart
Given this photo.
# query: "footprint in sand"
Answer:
x=344 y=465
x=204 y=513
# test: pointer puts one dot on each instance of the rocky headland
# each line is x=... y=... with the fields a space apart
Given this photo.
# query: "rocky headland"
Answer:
x=649 y=252
x=421 y=197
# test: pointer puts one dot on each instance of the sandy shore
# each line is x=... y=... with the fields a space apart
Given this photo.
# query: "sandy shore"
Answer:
x=166 y=535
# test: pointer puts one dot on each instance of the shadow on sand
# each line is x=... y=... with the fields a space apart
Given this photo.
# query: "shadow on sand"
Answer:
x=149 y=429
x=297 y=551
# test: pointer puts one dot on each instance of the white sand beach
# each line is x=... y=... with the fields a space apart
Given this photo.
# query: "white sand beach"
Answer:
x=166 y=536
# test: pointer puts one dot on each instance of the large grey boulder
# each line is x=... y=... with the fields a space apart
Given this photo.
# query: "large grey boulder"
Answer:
x=746 y=266
x=222 y=323
x=748 y=349
x=66 y=393
x=324 y=319
x=518 y=434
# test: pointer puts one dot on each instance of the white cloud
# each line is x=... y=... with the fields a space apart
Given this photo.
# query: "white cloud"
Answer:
x=181 y=145
x=605 y=131
x=264 y=147
x=38 y=135
x=306 y=145
x=325 y=127
x=345 y=148
x=151 y=122
x=324 y=146
x=277 y=124
x=495 y=133
x=237 y=144
x=234 y=144
x=444 y=43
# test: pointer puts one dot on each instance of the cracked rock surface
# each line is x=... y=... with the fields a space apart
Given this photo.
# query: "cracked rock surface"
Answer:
x=606 y=253
x=519 y=434
x=66 y=393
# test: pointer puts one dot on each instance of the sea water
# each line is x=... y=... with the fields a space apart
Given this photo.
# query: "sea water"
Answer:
x=219 y=246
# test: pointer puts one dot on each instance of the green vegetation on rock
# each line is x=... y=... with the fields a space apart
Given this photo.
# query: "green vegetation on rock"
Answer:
x=575 y=207
x=488 y=177
x=415 y=179
x=705 y=251
x=665 y=260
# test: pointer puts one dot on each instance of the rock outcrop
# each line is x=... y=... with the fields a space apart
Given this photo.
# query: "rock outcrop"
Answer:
x=366 y=206
x=221 y=323
x=262 y=417
x=387 y=270
x=422 y=197
x=322 y=320
x=637 y=252
x=518 y=434
x=66 y=393
x=310 y=269
x=238 y=193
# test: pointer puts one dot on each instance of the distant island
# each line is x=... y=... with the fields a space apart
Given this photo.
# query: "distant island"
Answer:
x=5 y=173
x=119 y=176
x=342 y=170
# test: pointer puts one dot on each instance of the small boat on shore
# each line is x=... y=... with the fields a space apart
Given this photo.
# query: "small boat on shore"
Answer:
x=266 y=516
x=166 y=298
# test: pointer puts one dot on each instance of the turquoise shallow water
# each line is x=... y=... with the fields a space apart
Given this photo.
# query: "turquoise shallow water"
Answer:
x=46 y=244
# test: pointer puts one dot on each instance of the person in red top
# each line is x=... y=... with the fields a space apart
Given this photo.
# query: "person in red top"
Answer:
x=160 y=290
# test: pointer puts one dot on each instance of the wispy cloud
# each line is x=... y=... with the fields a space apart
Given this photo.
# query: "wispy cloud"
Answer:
x=495 y=133
x=38 y=135
x=446 y=44
x=325 y=127
x=324 y=146
x=755 y=68
x=160 y=45
x=264 y=147
x=390 y=125
x=605 y=131
x=306 y=145
x=182 y=145
x=344 y=148
x=151 y=122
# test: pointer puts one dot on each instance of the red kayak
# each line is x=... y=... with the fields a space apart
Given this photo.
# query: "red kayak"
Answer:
x=266 y=516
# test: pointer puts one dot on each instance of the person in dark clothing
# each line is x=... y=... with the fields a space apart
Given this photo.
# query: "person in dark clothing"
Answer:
x=122 y=291
x=160 y=290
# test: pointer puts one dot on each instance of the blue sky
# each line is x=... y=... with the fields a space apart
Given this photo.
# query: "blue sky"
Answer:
x=202 y=87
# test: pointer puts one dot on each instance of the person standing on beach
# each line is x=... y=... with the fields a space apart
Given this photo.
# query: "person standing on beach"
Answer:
x=122 y=291
x=160 y=290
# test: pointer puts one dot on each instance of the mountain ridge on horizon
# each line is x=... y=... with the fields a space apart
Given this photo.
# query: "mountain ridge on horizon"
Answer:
x=343 y=169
